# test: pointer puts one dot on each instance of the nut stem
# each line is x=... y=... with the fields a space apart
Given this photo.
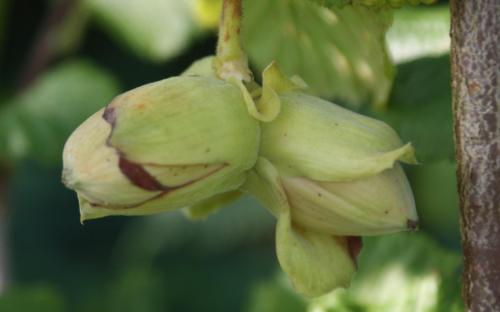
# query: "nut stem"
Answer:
x=231 y=60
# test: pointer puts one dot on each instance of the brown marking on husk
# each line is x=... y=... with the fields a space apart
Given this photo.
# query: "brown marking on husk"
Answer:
x=412 y=225
x=136 y=174
x=153 y=185
x=354 y=245
x=109 y=115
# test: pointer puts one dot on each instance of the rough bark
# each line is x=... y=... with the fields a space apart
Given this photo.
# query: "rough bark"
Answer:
x=475 y=34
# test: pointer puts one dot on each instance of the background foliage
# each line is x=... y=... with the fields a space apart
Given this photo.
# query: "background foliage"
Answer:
x=392 y=65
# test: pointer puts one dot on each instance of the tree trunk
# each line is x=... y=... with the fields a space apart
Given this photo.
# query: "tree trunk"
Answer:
x=475 y=37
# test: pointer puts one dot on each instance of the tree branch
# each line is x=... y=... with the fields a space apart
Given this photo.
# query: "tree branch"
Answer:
x=42 y=50
x=475 y=34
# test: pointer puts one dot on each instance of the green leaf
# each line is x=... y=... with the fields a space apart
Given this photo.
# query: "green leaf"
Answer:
x=436 y=196
x=372 y=3
x=420 y=108
x=418 y=32
x=32 y=298
x=136 y=289
x=340 y=53
x=405 y=272
x=239 y=224
x=38 y=122
x=69 y=34
x=272 y=296
x=333 y=3
x=154 y=29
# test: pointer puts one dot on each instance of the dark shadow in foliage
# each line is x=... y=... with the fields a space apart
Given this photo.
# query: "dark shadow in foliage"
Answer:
x=419 y=108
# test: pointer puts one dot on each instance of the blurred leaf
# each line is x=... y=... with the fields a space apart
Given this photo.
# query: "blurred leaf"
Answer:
x=333 y=3
x=405 y=272
x=38 y=122
x=241 y=223
x=418 y=32
x=32 y=298
x=215 y=261
x=64 y=34
x=69 y=34
x=137 y=289
x=340 y=53
x=436 y=197
x=154 y=29
x=207 y=13
x=372 y=3
x=275 y=295
x=420 y=108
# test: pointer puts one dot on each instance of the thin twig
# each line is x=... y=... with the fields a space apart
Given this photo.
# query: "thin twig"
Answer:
x=42 y=50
